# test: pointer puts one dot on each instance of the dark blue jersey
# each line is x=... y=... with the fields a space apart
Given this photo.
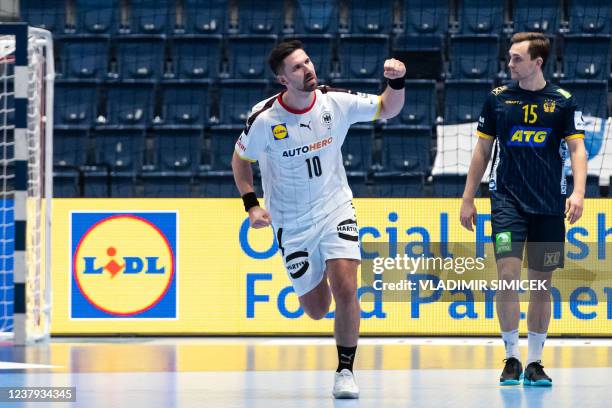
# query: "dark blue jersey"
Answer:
x=530 y=129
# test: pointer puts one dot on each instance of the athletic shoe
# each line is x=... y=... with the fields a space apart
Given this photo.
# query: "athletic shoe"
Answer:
x=345 y=386
x=513 y=372
x=535 y=375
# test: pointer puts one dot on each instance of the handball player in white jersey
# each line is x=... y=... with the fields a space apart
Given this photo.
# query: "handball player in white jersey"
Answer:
x=296 y=137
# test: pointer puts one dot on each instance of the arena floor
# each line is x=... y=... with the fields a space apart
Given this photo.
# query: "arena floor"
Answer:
x=298 y=372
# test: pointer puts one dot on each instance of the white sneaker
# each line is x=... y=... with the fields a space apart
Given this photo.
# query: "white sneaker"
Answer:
x=345 y=386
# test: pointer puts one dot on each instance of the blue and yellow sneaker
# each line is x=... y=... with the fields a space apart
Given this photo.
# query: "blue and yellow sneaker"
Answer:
x=535 y=375
x=513 y=372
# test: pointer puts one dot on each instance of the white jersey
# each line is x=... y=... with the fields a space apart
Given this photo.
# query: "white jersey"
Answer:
x=299 y=152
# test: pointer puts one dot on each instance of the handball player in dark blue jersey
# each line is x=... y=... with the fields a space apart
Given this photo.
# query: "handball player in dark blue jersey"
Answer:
x=533 y=125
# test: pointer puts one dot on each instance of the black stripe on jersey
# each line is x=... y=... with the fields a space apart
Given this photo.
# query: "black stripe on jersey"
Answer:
x=297 y=254
x=325 y=89
x=254 y=115
x=279 y=238
x=348 y=237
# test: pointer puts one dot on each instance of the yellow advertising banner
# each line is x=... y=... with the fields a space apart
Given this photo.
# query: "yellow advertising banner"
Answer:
x=193 y=266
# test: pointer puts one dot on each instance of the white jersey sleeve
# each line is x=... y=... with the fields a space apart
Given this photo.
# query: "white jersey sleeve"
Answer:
x=253 y=140
x=359 y=107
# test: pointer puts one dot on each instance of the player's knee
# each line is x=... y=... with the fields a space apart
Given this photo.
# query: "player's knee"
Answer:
x=507 y=274
x=542 y=295
x=316 y=312
x=344 y=293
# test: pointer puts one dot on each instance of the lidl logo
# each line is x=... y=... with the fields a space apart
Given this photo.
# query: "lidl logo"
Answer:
x=528 y=136
x=124 y=265
x=280 y=131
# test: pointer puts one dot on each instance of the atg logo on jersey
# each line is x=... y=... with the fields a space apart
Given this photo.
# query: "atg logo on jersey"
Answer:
x=528 y=136
x=280 y=131
x=123 y=265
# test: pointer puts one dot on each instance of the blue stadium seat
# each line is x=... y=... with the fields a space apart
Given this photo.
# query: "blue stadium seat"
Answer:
x=70 y=147
x=586 y=57
x=367 y=17
x=129 y=104
x=247 y=56
x=204 y=16
x=474 y=56
x=481 y=16
x=103 y=184
x=222 y=141
x=48 y=14
x=463 y=100
x=592 y=17
x=140 y=57
x=362 y=56
x=75 y=104
x=316 y=17
x=120 y=149
x=178 y=149
x=220 y=184
x=237 y=97
x=358 y=184
x=96 y=16
x=357 y=148
x=398 y=185
x=406 y=149
x=157 y=185
x=369 y=86
x=151 y=16
x=85 y=57
x=196 y=57
x=65 y=183
x=260 y=16
x=425 y=16
x=419 y=108
x=185 y=103
x=320 y=50
x=422 y=55
x=592 y=186
x=536 y=15
x=590 y=96
x=449 y=186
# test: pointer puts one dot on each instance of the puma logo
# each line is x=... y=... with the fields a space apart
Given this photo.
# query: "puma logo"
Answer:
x=306 y=126
x=349 y=357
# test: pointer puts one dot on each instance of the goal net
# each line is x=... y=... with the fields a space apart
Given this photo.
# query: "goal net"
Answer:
x=26 y=107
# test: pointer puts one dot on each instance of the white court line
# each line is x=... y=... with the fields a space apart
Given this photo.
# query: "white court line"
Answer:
x=416 y=341
x=7 y=365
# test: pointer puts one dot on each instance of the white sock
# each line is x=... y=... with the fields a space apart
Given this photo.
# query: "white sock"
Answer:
x=511 y=341
x=536 y=344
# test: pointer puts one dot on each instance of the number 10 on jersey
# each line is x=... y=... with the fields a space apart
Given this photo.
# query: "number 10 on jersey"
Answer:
x=314 y=166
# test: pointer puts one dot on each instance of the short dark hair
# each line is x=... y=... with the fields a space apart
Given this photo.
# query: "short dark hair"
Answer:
x=539 y=44
x=281 y=51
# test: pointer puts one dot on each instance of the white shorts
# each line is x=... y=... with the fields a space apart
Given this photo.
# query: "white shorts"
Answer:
x=306 y=248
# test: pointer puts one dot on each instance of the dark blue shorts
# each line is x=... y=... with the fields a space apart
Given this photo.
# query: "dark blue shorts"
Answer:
x=512 y=228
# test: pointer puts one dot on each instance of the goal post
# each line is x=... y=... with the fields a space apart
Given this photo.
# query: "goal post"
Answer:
x=26 y=176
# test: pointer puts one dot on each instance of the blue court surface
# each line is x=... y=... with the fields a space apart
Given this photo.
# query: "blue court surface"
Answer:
x=298 y=372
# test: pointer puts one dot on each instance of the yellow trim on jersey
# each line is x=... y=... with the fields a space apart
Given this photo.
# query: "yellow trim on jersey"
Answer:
x=484 y=135
x=575 y=136
x=378 y=109
x=244 y=158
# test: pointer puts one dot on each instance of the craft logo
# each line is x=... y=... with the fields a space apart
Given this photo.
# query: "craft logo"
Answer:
x=124 y=265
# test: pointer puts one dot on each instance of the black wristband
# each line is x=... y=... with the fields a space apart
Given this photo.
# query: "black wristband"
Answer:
x=397 y=83
x=250 y=201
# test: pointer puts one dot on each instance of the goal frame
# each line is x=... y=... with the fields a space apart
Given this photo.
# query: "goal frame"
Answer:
x=21 y=33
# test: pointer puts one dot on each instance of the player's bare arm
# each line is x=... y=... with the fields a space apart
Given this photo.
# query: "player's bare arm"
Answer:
x=243 y=175
x=392 y=99
x=575 y=203
x=478 y=165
